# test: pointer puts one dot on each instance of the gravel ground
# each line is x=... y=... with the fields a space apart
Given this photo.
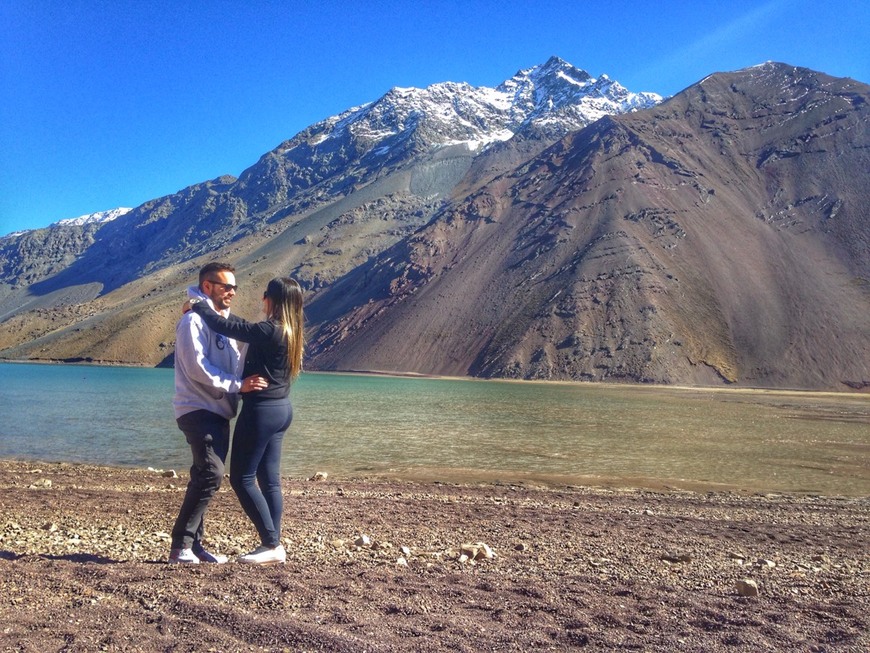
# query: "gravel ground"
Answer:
x=380 y=565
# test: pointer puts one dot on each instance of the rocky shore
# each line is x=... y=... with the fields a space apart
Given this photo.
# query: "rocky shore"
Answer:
x=380 y=565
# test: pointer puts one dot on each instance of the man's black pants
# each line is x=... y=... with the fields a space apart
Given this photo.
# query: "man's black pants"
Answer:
x=209 y=437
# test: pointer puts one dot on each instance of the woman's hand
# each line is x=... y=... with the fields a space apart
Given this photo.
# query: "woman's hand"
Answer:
x=254 y=383
x=189 y=304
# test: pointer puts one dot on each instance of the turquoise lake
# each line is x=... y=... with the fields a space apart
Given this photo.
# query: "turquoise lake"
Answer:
x=467 y=430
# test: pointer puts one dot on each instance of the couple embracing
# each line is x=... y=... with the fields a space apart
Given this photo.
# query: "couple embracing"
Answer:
x=218 y=359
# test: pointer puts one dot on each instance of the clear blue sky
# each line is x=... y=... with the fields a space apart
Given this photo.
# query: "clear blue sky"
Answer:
x=112 y=103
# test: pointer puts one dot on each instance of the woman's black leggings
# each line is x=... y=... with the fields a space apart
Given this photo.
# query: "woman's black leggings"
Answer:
x=255 y=463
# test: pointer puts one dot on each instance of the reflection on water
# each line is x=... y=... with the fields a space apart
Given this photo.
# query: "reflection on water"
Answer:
x=464 y=430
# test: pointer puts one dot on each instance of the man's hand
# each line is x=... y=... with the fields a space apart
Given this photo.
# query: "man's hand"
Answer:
x=254 y=383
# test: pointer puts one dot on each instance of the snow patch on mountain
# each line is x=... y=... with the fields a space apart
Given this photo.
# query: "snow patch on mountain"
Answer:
x=91 y=218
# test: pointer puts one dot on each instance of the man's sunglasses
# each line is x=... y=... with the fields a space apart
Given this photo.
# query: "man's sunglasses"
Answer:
x=226 y=286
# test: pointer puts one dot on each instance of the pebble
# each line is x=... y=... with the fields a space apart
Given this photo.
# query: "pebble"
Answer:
x=363 y=540
x=675 y=557
x=747 y=587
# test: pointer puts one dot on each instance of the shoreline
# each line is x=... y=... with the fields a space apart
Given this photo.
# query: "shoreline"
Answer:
x=863 y=393
x=383 y=566
x=480 y=480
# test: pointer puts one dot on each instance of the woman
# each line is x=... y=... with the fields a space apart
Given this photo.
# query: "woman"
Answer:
x=275 y=348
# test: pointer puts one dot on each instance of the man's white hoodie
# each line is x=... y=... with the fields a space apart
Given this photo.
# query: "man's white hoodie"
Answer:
x=208 y=366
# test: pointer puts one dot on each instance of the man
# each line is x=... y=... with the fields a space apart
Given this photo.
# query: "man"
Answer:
x=207 y=383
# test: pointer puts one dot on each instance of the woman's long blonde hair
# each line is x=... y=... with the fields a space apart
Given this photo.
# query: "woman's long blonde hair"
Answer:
x=286 y=295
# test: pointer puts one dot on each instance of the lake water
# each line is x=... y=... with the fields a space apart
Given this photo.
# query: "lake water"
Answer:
x=467 y=430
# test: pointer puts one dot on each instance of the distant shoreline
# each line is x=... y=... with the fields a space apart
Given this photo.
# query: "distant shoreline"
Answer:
x=735 y=388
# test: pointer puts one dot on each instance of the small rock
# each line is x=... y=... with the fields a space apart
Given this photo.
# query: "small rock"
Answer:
x=522 y=546
x=406 y=552
x=747 y=587
x=648 y=512
x=677 y=557
x=319 y=476
x=402 y=562
x=766 y=564
x=363 y=540
x=477 y=551
x=170 y=473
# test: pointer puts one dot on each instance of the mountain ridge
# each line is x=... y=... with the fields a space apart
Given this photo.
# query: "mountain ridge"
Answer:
x=672 y=244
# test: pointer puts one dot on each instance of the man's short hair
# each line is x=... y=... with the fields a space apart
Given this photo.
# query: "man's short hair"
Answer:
x=211 y=268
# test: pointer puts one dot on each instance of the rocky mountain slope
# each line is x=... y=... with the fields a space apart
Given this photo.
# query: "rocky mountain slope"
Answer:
x=722 y=236
x=541 y=229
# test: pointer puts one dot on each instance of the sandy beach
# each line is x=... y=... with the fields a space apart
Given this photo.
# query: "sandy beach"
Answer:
x=378 y=565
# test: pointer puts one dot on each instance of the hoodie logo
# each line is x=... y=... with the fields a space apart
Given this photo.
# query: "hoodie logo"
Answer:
x=220 y=342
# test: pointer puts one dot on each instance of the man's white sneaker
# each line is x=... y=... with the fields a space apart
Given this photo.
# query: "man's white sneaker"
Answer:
x=205 y=556
x=183 y=556
x=265 y=555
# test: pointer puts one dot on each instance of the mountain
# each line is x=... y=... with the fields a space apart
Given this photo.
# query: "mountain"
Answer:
x=411 y=142
x=721 y=236
x=556 y=226
x=318 y=205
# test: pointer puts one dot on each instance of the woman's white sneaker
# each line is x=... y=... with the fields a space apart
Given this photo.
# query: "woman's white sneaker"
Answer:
x=265 y=555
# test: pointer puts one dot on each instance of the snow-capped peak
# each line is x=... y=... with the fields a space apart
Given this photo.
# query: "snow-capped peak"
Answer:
x=545 y=102
x=91 y=218
x=555 y=96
